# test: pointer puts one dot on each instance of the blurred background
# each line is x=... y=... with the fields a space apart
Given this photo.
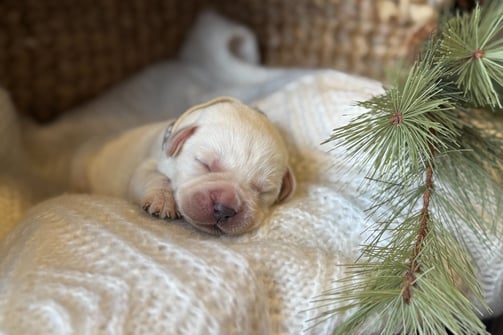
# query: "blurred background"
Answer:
x=56 y=54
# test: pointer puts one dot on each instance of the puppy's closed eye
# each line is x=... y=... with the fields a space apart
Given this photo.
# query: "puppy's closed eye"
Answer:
x=260 y=190
x=267 y=192
x=203 y=164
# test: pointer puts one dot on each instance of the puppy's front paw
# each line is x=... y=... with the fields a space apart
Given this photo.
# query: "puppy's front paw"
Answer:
x=160 y=203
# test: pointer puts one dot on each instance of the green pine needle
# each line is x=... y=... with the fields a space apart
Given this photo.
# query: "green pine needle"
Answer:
x=403 y=125
x=472 y=49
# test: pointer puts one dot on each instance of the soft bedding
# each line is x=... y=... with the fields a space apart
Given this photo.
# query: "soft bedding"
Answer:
x=88 y=264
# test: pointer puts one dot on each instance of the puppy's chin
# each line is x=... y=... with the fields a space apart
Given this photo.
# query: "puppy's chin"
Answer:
x=237 y=226
x=217 y=230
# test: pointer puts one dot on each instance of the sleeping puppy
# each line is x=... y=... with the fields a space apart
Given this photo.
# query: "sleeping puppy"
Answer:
x=221 y=166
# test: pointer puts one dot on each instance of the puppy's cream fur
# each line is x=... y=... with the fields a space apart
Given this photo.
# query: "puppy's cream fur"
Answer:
x=220 y=166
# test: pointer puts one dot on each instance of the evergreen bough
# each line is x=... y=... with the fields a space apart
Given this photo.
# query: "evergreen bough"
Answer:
x=431 y=148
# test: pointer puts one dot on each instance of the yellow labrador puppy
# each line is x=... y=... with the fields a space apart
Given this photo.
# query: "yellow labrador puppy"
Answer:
x=221 y=166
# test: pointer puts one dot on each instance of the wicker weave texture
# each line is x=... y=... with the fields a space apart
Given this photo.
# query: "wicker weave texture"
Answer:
x=55 y=54
x=363 y=37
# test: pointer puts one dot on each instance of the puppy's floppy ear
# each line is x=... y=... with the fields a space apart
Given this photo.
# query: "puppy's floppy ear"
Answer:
x=288 y=186
x=173 y=141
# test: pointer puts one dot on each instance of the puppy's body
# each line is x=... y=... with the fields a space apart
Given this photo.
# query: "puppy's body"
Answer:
x=221 y=166
x=111 y=168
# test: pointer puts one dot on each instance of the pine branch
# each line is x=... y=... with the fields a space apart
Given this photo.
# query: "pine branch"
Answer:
x=410 y=103
x=472 y=49
x=426 y=159
x=415 y=266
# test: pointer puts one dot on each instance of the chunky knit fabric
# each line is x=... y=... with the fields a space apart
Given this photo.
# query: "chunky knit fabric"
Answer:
x=87 y=264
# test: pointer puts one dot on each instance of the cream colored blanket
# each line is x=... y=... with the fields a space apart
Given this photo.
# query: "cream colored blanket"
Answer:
x=87 y=264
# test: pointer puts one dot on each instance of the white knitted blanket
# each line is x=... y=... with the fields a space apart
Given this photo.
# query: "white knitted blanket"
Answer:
x=87 y=264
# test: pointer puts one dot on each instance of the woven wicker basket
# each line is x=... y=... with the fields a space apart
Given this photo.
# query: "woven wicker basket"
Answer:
x=55 y=54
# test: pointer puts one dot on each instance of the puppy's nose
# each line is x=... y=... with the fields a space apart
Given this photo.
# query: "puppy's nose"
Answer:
x=222 y=213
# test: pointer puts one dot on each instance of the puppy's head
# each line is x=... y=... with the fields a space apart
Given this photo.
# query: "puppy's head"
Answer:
x=229 y=166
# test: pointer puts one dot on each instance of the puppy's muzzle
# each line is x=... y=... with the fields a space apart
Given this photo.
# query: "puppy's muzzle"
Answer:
x=215 y=206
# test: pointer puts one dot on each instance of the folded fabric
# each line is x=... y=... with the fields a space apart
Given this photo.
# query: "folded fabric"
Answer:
x=94 y=264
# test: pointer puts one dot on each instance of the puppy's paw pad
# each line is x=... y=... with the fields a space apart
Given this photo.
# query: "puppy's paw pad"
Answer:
x=160 y=204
